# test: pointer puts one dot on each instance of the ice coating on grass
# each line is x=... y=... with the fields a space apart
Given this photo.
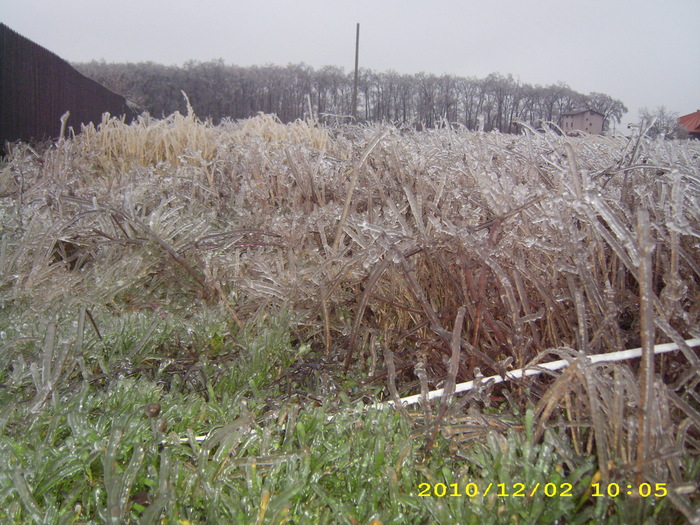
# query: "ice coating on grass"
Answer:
x=616 y=225
x=254 y=207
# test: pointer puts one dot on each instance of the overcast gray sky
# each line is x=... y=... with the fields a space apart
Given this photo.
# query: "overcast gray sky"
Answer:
x=643 y=52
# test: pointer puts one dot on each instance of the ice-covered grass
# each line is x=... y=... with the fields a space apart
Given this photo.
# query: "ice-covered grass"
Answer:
x=118 y=440
x=404 y=261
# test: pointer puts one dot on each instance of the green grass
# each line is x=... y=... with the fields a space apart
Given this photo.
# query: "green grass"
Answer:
x=90 y=454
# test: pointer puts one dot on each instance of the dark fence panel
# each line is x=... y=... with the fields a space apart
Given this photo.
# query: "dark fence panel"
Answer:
x=37 y=87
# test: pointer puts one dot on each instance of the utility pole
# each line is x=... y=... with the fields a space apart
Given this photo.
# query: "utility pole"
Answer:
x=354 y=86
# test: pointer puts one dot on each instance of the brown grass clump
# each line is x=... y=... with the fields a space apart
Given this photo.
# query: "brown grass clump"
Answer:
x=271 y=130
x=379 y=241
x=176 y=140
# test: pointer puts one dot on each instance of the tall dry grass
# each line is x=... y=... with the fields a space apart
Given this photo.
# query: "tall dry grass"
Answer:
x=460 y=253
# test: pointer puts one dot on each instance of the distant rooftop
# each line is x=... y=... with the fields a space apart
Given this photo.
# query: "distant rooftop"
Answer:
x=691 y=122
x=577 y=111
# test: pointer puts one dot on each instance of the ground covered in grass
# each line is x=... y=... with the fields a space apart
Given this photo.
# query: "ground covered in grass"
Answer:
x=196 y=322
x=208 y=426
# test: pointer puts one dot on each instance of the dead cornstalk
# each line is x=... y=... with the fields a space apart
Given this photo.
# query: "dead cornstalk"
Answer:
x=451 y=379
x=646 y=307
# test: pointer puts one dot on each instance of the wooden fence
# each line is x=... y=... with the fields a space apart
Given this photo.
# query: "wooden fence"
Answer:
x=37 y=87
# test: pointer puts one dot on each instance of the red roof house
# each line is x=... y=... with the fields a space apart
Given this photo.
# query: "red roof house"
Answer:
x=691 y=122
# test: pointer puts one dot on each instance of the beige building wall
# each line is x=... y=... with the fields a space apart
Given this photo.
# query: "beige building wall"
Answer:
x=588 y=121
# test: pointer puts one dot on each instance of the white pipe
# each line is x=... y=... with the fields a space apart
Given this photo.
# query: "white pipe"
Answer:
x=620 y=355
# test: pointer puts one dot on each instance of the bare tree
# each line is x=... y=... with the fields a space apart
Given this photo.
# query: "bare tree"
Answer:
x=662 y=123
x=218 y=90
x=612 y=109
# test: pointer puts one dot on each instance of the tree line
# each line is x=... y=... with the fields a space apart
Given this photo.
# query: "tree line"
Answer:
x=218 y=90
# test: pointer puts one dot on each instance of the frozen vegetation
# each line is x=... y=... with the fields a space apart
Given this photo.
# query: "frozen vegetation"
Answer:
x=255 y=278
